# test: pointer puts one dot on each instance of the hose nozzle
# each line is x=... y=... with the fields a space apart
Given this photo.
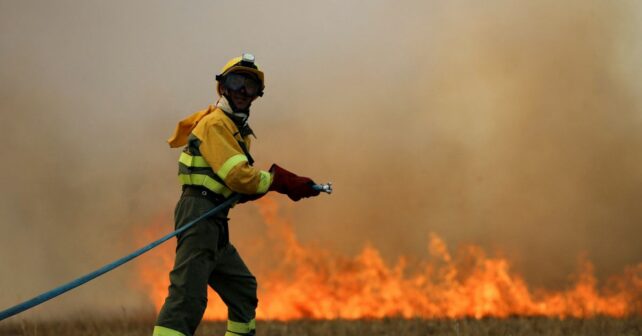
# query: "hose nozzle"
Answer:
x=326 y=188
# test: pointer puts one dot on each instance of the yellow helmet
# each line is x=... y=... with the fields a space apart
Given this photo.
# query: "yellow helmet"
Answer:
x=244 y=63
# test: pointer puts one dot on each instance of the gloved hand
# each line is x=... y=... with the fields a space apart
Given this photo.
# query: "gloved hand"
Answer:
x=296 y=187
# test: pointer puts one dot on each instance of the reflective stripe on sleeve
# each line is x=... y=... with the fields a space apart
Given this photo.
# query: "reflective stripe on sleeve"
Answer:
x=162 y=331
x=229 y=164
x=192 y=161
x=264 y=183
x=205 y=181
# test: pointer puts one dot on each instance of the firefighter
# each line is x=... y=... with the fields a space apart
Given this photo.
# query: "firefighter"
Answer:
x=214 y=164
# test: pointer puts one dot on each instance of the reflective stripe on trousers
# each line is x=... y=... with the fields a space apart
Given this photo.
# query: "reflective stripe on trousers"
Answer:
x=233 y=329
x=240 y=328
x=162 y=331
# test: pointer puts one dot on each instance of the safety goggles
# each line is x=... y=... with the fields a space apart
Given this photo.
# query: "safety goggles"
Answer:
x=237 y=82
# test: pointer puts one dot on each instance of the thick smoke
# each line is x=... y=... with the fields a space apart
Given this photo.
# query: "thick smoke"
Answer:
x=514 y=126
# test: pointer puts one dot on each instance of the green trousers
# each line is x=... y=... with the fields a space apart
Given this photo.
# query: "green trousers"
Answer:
x=205 y=257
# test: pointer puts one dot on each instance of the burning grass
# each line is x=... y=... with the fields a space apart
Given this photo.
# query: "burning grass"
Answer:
x=307 y=282
x=139 y=326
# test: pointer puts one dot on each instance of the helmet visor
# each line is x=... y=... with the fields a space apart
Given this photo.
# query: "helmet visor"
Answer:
x=242 y=82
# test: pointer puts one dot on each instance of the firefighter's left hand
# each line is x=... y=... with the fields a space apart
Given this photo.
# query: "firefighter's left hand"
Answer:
x=296 y=187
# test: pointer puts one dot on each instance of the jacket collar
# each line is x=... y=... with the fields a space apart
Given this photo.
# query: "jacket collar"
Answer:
x=240 y=119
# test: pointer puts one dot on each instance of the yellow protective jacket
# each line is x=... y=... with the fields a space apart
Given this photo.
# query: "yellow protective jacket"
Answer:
x=214 y=157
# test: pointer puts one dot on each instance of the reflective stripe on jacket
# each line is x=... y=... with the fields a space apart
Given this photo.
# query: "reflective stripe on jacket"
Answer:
x=214 y=159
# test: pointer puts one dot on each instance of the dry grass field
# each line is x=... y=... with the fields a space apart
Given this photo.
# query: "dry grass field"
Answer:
x=513 y=326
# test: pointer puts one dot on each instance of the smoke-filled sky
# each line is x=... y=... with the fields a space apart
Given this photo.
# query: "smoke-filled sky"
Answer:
x=512 y=125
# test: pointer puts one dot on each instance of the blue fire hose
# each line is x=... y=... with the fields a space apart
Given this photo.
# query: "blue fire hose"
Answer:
x=17 y=309
x=86 y=278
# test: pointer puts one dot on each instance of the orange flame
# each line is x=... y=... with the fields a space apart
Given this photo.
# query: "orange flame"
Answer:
x=318 y=284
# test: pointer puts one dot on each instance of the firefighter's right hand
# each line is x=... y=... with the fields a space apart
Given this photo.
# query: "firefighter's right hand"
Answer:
x=296 y=187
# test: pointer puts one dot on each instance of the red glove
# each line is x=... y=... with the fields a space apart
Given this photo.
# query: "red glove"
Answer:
x=296 y=187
